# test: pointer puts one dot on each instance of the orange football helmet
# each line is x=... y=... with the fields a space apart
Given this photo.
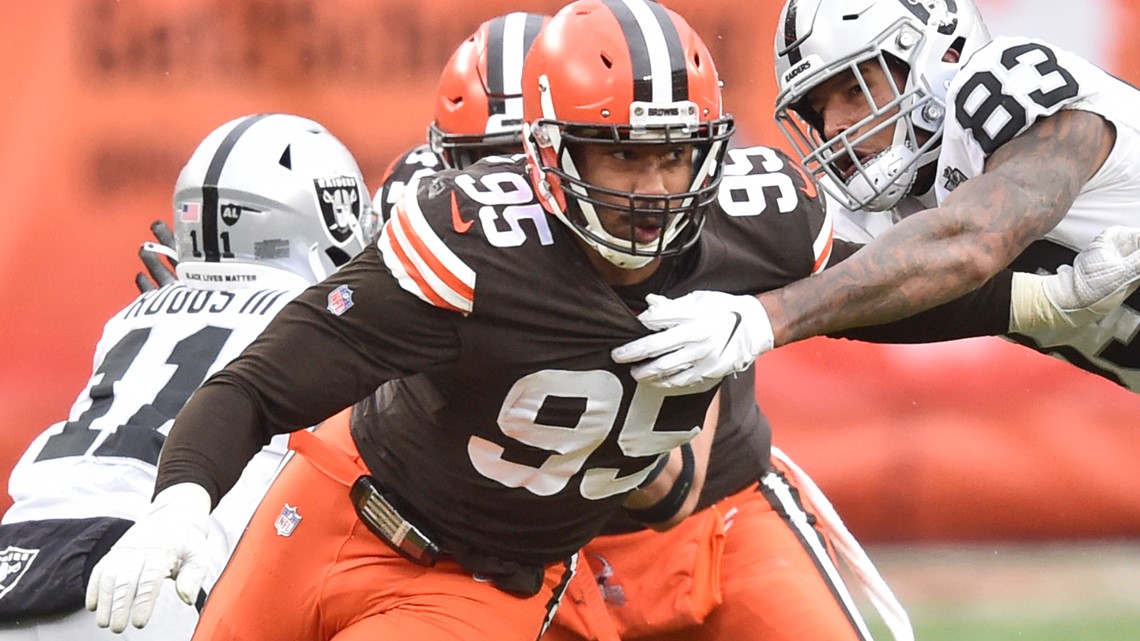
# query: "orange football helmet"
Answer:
x=626 y=72
x=478 y=106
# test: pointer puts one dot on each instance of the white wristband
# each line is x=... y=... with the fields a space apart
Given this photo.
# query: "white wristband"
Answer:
x=1030 y=308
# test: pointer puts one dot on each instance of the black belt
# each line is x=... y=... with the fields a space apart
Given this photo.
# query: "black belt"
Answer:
x=386 y=522
x=380 y=515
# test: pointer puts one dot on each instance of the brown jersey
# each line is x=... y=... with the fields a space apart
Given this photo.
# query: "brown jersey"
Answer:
x=506 y=427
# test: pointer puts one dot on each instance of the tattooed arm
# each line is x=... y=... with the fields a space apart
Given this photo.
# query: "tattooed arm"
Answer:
x=940 y=254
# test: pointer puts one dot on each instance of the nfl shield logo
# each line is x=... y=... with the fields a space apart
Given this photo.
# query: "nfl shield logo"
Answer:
x=287 y=521
x=340 y=300
x=14 y=564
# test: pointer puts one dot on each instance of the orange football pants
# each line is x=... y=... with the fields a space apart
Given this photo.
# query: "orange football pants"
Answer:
x=753 y=566
x=331 y=578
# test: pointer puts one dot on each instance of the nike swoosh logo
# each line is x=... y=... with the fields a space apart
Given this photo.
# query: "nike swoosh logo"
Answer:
x=735 y=326
x=457 y=223
x=809 y=184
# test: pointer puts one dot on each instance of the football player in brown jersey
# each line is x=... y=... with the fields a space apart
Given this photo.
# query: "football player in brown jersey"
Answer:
x=716 y=573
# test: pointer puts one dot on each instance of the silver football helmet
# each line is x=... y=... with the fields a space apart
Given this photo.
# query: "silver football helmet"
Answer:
x=820 y=39
x=268 y=193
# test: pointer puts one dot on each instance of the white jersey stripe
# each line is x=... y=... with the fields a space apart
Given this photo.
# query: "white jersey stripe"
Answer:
x=823 y=243
x=421 y=262
x=848 y=548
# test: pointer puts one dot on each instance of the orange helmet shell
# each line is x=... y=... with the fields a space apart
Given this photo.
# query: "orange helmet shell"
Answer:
x=601 y=56
x=479 y=98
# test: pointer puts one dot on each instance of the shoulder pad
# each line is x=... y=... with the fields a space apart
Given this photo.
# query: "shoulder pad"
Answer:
x=414 y=250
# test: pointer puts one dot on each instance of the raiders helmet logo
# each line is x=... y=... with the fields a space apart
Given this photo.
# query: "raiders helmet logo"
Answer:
x=340 y=205
x=940 y=13
x=14 y=564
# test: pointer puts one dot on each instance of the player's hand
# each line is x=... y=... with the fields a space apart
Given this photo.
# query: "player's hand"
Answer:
x=1102 y=276
x=169 y=542
x=158 y=273
x=704 y=337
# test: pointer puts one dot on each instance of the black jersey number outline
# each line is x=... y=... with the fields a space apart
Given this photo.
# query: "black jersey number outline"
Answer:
x=996 y=98
x=562 y=417
x=138 y=438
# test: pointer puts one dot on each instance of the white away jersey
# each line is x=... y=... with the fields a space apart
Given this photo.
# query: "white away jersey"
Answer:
x=153 y=354
x=1010 y=83
x=1002 y=90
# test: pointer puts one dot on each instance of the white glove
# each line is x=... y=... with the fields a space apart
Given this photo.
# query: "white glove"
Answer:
x=1102 y=276
x=170 y=541
x=705 y=337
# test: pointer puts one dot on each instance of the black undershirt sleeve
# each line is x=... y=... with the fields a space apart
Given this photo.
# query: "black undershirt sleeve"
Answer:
x=983 y=312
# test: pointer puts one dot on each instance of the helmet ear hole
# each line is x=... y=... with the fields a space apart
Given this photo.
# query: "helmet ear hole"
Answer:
x=954 y=51
x=607 y=61
x=338 y=256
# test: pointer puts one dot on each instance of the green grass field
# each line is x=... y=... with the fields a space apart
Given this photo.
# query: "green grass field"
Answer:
x=1066 y=591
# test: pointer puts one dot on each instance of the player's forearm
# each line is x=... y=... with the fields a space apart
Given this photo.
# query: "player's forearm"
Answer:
x=911 y=268
x=213 y=438
x=659 y=490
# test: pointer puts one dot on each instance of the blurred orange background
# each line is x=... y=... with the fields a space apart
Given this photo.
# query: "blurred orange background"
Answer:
x=973 y=439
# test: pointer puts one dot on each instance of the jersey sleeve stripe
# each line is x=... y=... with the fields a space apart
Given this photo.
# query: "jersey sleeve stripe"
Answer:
x=408 y=275
x=422 y=264
x=824 y=241
x=451 y=270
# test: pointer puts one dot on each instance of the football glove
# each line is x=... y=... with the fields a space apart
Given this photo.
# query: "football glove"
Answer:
x=158 y=273
x=1105 y=273
x=169 y=542
x=704 y=336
